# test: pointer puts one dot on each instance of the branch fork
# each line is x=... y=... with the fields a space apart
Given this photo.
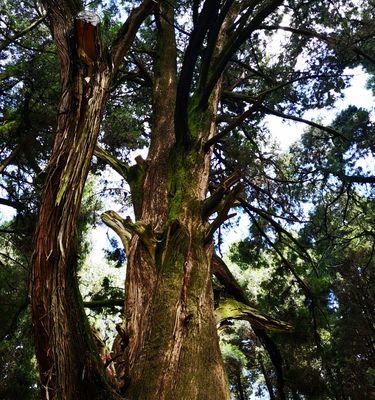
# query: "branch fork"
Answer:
x=126 y=228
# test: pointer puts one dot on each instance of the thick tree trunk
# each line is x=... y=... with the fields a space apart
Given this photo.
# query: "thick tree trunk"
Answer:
x=169 y=319
x=169 y=313
x=170 y=342
x=70 y=367
x=171 y=348
x=69 y=363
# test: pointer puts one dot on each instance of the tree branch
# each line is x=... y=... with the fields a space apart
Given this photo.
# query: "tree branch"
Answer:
x=225 y=277
x=211 y=204
x=222 y=216
x=103 y=303
x=249 y=208
x=118 y=165
x=234 y=124
x=213 y=34
x=240 y=36
x=327 y=129
x=238 y=306
x=233 y=309
x=208 y=14
x=356 y=178
x=128 y=31
x=125 y=228
x=330 y=40
x=10 y=203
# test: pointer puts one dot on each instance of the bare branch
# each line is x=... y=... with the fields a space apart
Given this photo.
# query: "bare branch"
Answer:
x=327 y=129
x=232 y=309
x=234 y=124
x=330 y=40
x=10 y=203
x=223 y=215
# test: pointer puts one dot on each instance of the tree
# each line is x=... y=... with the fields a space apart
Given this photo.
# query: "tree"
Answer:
x=327 y=296
x=212 y=82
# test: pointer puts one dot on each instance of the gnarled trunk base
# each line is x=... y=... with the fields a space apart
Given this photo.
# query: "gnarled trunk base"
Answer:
x=173 y=350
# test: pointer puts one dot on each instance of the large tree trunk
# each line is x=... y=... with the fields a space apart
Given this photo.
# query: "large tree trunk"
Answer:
x=170 y=346
x=171 y=349
x=169 y=312
x=67 y=356
x=173 y=342
x=68 y=359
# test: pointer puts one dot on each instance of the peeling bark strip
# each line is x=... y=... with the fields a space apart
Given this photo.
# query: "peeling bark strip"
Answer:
x=70 y=367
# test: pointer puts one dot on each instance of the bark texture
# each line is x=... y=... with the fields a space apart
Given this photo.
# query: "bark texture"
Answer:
x=168 y=346
x=67 y=356
x=172 y=349
x=69 y=363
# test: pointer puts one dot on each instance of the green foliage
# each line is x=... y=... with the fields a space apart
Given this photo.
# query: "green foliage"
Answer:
x=18 y=371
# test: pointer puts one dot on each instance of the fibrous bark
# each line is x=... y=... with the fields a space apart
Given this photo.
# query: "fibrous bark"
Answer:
x=169 y=311
x=69 y=364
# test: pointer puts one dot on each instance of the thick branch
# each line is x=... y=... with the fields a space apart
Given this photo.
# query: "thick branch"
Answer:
x=208 y=13
x=118 y=165
x=222 y=216
x=241 y=35
x=211 y=204
x=4 y=163
x=128 y=31
x=117 y=223
x=357 y=178
x=125 y=228
x=275 y=357
x=233 y=309
x=213 y=34
x=225 y=277
x=238 y=306
x=10 y=203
